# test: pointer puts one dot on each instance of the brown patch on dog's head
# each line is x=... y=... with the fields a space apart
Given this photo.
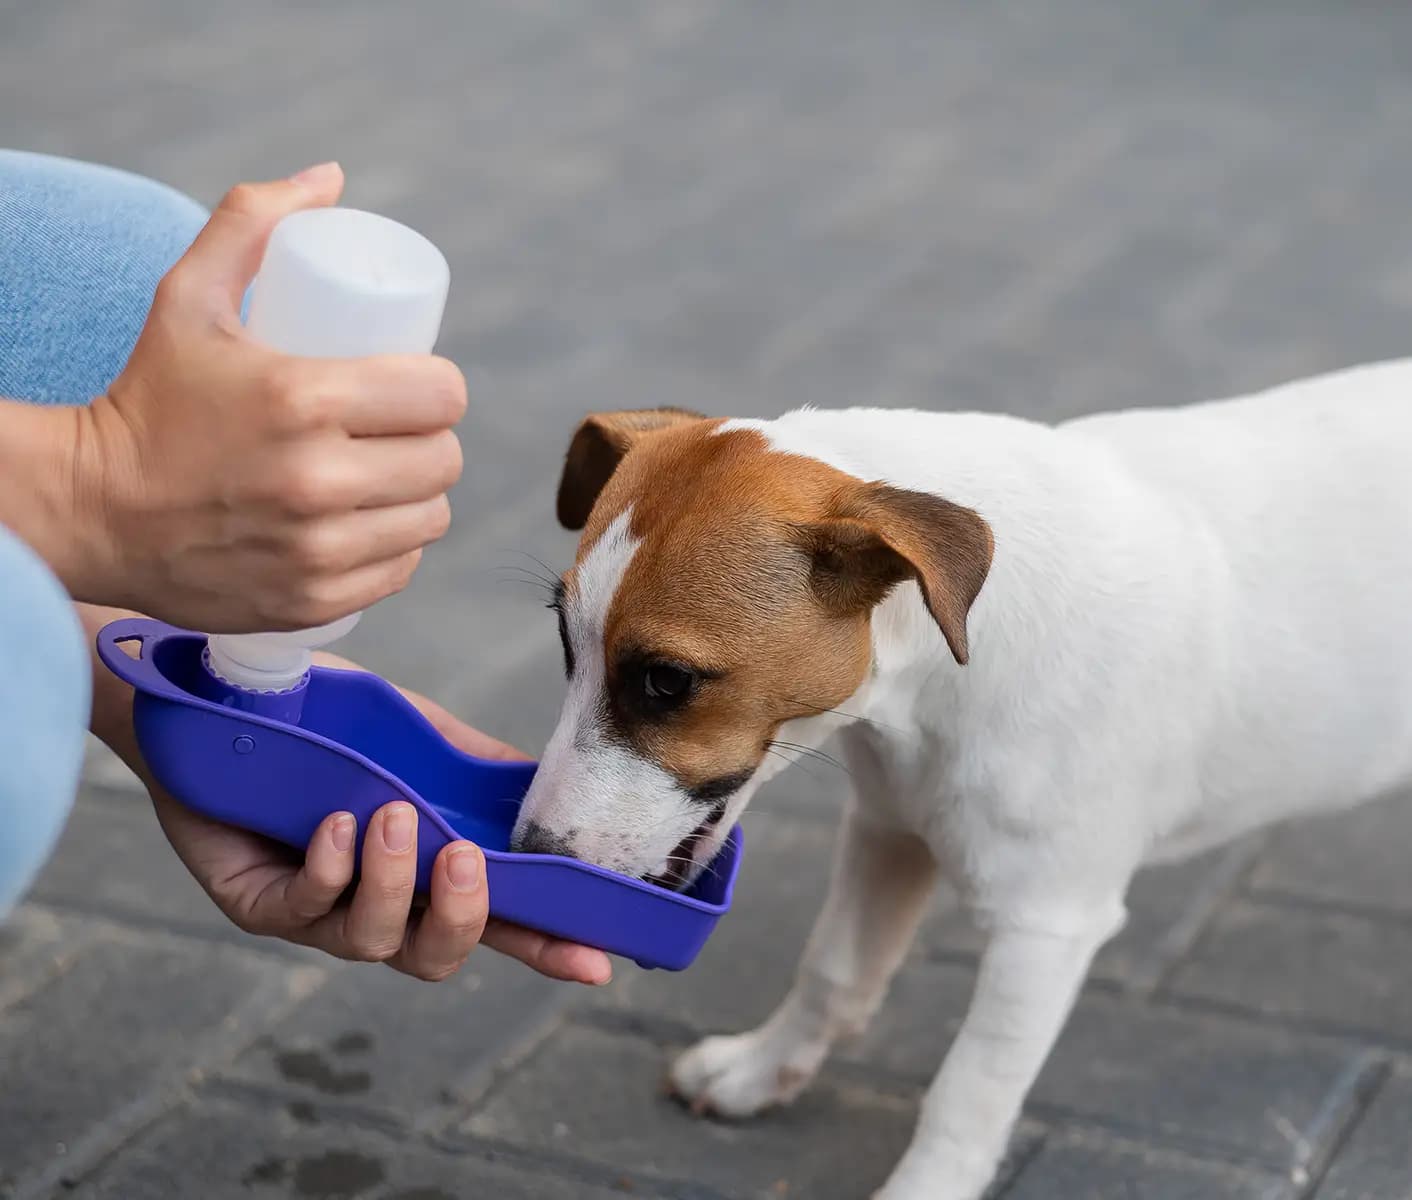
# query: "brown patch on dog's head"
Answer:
x=747 y=600
x=598 y=446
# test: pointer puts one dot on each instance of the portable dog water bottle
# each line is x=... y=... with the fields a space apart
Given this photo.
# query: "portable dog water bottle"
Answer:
x=334 y=283
x=245 y=730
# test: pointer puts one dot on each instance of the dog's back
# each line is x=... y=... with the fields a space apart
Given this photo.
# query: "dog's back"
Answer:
x=1305 y=494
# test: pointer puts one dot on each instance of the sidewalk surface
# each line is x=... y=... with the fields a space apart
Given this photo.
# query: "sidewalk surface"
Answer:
x=1042 y=208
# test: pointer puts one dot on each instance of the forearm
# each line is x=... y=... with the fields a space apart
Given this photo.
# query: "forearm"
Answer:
x=47 y=492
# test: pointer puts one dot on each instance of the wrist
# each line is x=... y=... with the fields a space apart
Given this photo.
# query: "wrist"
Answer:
x=38 y=448
x=51 y=488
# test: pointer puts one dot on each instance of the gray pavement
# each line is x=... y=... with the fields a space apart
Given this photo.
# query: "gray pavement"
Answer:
x=1042 y=208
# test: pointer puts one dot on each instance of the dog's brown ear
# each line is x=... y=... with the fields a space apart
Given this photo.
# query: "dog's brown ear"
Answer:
x=597 y=448
x=884 y=535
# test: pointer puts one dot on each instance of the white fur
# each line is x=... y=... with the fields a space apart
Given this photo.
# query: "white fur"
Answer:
x=587 y=783
x=1196 y=623
x=615 y=808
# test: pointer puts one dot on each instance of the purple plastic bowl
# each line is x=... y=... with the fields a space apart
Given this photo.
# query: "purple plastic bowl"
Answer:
x=359 y=745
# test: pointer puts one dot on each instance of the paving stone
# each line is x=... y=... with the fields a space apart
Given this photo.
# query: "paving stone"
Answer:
x=114 y=860
x=1329 y=969
x=241 y=1154
x=1354 y=858
x=125 y=1019
x=848 y=355
x=520 y=707
x=808 y=791
x=598 y=1096
x=378 y=1039
x=1217 y=1086
x=35 y=946
x=1090 y=1169
x=1376 y=1163
x=465 y=664
x=104 y=770
x=1359 y=324
x=752 y=279
x=1101 y=318
x=1168 y=905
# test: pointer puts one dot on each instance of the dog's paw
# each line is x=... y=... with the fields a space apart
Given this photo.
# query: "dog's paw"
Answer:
x=736 y=1076
x=950 y=1175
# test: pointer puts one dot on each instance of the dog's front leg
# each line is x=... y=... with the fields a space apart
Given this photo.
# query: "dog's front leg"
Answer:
x=882 y=879
x=1025 y=987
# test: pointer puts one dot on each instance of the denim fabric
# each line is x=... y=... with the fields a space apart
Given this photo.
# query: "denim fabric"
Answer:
x=44 y=695
x=81 y=250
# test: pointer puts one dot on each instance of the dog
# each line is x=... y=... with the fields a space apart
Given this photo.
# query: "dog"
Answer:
x=1052 y=654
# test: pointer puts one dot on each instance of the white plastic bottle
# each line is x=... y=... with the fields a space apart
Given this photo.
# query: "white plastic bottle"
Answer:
x=334 y=283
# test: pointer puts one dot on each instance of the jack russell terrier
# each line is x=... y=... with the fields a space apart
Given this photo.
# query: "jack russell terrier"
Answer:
x=1052 y=654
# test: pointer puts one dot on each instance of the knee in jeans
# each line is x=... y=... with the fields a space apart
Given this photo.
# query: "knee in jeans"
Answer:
x=44 y=702
x=82 y=248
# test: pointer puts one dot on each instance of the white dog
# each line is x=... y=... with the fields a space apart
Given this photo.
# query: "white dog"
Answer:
x=1053 y=654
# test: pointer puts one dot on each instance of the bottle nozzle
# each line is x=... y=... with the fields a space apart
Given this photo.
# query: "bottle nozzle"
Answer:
x=271 y=662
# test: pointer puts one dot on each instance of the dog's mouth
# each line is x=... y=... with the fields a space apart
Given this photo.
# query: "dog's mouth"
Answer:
x=680 y=868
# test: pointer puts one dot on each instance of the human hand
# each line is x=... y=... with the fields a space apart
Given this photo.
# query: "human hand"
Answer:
x=230 y=488
x=265 y=890
x=255 y=883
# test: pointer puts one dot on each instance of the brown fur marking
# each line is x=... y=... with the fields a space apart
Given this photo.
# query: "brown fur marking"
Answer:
x=761 y=568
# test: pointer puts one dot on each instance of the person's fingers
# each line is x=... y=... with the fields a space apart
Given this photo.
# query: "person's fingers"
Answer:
x=450 y=927
x=391 y=394
x=338 y=544
x=549 y=956
x=312 y=892
x=376 y=921
x=382 y=471
x=325 y=600
x=267 y=897
x=226 y=254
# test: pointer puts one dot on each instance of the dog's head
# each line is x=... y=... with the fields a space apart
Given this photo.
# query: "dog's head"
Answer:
x=721 y=589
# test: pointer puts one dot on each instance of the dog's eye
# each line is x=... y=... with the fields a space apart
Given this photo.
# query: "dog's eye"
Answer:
x=556 y=605
x=666 y=684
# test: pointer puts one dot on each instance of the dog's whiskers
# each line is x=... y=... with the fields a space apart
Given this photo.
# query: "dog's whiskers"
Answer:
x=524 y=575
x=706 y=869
x=820 y=711
x=784 y=757
x=526 y=579
x=542 y=573
x=811 y=752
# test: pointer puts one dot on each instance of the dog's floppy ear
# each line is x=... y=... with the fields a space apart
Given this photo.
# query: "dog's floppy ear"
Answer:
x=884 y=535
x=597 y=448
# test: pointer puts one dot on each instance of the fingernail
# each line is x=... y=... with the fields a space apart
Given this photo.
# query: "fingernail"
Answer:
x=344 y=827
x=315 y=174
x=399 y=823
x=605 y=979
x=463 y=870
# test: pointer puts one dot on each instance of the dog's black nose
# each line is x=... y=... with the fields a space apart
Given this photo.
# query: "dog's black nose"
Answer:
x=533 y=838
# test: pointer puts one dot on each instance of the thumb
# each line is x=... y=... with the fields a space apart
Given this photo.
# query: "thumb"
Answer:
x=226 y=253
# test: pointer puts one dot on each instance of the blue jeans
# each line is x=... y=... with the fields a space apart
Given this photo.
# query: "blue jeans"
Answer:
x=81 y=250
